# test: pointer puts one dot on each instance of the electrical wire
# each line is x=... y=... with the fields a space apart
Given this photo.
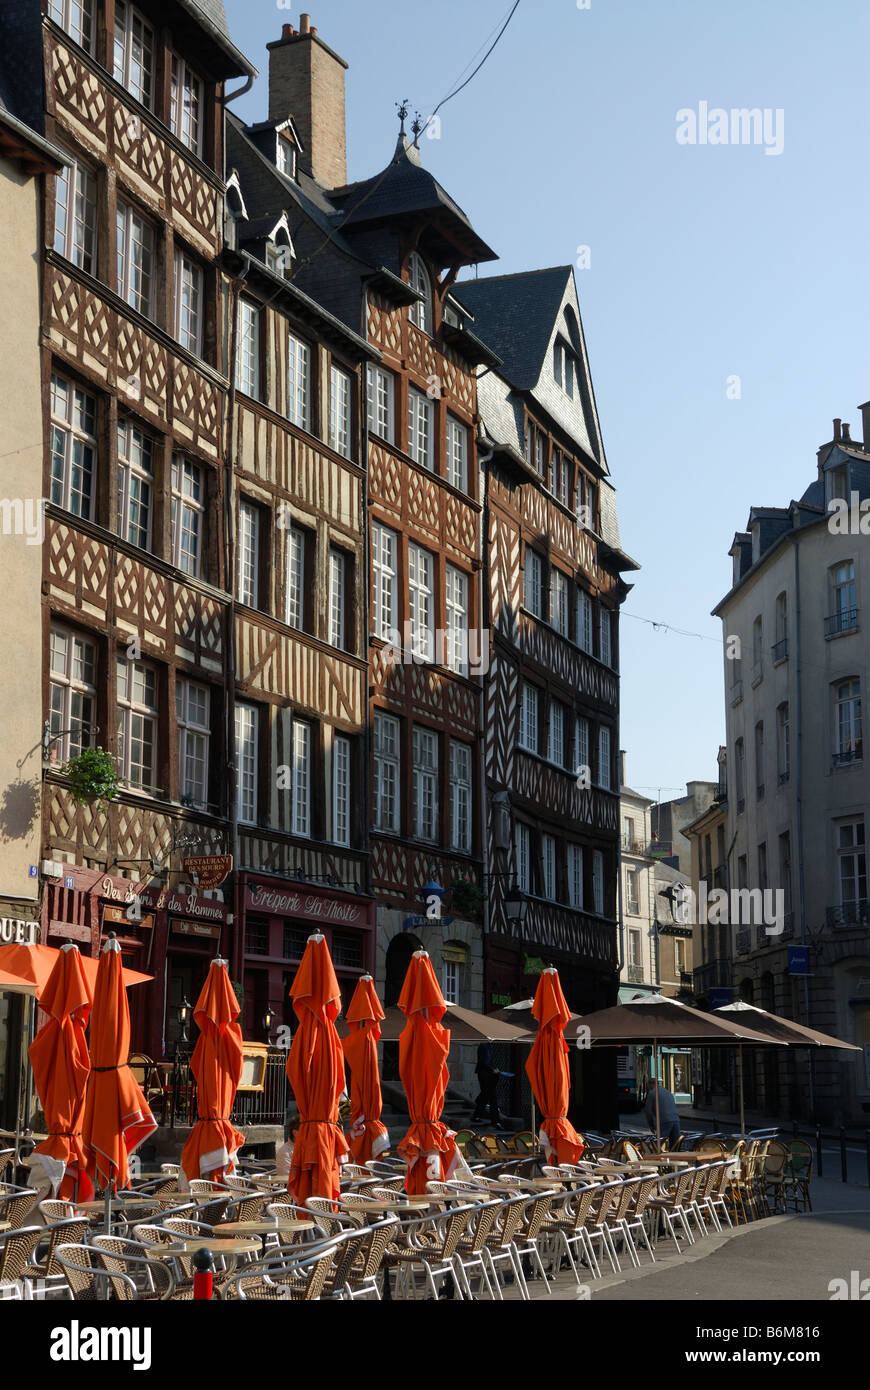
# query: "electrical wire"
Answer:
x=669 y=627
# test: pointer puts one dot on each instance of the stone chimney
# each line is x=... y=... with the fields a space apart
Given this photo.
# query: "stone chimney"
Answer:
x=865 y=419
x=306 y=81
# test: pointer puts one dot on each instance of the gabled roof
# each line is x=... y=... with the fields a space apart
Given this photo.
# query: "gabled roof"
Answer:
x=515 y=314
x=212 y=17
x=405 y=191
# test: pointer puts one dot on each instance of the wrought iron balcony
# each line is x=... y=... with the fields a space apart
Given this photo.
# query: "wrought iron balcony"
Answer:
x=846 y=620
x=635 y=974
x=853 y=914
x=779 y=651
x=850 y=755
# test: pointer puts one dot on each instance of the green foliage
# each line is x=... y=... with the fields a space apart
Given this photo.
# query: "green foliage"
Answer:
x=93 y=777
x=466 y=898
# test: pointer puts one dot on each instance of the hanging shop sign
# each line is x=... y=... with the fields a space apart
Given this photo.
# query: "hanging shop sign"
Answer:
x=210 y=869
x=123 y=916
x=198 y=929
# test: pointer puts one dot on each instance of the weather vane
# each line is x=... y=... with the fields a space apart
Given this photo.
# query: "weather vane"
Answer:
x=403 y=108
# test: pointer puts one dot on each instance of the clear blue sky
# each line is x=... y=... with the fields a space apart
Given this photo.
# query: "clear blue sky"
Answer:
x=706 y=261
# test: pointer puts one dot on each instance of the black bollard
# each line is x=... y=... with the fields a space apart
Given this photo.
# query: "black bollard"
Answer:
x=819 y=1149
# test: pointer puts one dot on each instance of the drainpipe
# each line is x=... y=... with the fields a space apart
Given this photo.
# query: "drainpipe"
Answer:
x=799 y=797
x=484 y=611
x=236 y=955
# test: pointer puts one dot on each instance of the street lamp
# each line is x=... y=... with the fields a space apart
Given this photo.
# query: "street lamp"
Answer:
x=268 y=1019
x=516 y=904
x=184 y=1017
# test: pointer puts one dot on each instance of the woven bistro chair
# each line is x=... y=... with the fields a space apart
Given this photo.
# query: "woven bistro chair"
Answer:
x=16 y=1252
x=16 y=1203
x=120 y=1256
x=669 y=1203
x=470 y=1257
x=92 y=1273
x=565 y=1229
x=500 y=1246
x=799 y=1174
x=53 y=1209
x=43 y=1270
x=776 y=1165
x=428 y=1244
x=298 y=1275
x=634 y=1219
x=7 y=1157
x=530 y=1234
x=359 y=1261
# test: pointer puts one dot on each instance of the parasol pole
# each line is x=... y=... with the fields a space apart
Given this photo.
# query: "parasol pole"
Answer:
x=740 y=1085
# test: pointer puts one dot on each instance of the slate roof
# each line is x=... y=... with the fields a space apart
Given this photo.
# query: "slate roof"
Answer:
x=514 y=315
x=405 y=188
x=213 y=18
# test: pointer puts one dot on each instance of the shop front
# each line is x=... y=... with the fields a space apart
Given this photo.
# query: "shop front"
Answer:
x=171 y=936
x=16 y=1017
x=278 y=916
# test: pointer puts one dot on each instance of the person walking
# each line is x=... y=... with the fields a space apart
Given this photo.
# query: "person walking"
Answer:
x=487 y=1076
x=668 y=1115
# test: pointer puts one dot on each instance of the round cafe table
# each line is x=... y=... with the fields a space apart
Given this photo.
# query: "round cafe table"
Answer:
x=265 y=1228
x=188 y=1245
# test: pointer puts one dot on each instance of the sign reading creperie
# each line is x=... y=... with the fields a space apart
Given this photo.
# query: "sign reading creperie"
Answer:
x=314 y=907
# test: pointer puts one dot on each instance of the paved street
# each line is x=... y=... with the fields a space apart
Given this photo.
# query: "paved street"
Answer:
x=792 y=1257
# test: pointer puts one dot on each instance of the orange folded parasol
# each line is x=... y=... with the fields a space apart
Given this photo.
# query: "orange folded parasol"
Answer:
x=547 y=1069
x=33 y=964
x=428 y=1148
x=368 y=1136
x=315 y=1069
x=117 y=1119
x=59 y=1057
x=217 y=1067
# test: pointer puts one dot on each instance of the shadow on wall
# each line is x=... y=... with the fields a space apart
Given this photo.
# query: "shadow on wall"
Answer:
x=19 y=808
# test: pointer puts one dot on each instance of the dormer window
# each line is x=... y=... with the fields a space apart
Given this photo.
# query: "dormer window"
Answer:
x=837 y=483
x=420 y=312
x=285 y=157
x=563 y=367
x=279 y=257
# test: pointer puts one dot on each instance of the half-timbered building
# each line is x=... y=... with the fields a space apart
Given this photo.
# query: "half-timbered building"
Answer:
x=554 y=586
x=133 y=384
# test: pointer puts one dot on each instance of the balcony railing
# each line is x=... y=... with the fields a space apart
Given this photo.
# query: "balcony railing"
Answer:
x=736 y=693
x=844 y=621
x=851 y=914
x=635 y=974
x=638 y=847
x=265 y=1107
x=850 y=755
x=779 y=651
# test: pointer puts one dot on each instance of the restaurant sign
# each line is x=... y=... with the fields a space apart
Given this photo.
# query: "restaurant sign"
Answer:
x=194 y=928
x=315 y=907
x=210 y=869
x=125 y=917
x=160 y=900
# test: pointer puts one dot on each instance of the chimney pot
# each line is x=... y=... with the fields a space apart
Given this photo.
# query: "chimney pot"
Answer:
x=836 y=430
x=847 y=438
x=288 y=32
x=305 y=24
x=313 y=32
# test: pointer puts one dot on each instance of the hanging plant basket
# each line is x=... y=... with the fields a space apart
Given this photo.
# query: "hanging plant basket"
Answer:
x=93 y=777
x=466 y=898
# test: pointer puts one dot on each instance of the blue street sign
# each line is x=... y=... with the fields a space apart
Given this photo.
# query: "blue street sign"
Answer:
x=69 y=882
x=33 y=871
x=798 y=960
x=719 y=997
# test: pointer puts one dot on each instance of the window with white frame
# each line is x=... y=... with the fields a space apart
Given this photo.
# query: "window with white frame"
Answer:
x=75 y=216
x=421 y=602
x=604 y=645
x=635 y=949
x=584 y=621
x=386 y=772
x=341 y=790
x=548 y=854
x=598 y=880
x=296 y=578
x=632 y=892
x=133 y=63
x=188 y=302
x=460 y=796
x=338 y=562
x=135 y=254
x=279 y=257
x=843 y=587
x=298 y=382
x=457 y=620
x=187 y=515
x=386 y=597
x=380 y=402
x=556 y=734
x=851 y=862
x=192 y=709
x=565 y=483
x=529 y=718
x=285 y=156
x=186 y=105
x=421 y=428
x=339 y=411
x=137 y=723
x=425 y=784
x=247 y=733
x=533 y=583
x=248 y=349
x=848 y=746
x=559 y=600
x=581 y=742
x=541 y=453
x=457 y=453
x=523 y=850
x=248 y=591
x=135 y=484
x=73 y=694
x=77 y=18
x=420 y=312
x=450 y=981
x=73 y=448
x=575 y=875
x=300 y=821
x=604 y=757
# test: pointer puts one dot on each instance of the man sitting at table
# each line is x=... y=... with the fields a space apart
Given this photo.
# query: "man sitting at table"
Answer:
x=669 y=1119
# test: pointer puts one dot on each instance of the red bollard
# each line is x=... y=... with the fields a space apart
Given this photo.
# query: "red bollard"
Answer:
x=203 y=1274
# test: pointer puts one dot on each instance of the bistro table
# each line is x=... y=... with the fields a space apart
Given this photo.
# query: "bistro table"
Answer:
x=265 y=1228
x=188 y=1245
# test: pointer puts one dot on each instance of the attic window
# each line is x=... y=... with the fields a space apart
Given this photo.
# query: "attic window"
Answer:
x=418 y=278
x=285 y=157
x=837 y=483
x=563 y=367
x=279 y=256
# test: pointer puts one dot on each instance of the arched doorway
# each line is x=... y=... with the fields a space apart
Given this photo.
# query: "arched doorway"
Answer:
x=399 y=953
